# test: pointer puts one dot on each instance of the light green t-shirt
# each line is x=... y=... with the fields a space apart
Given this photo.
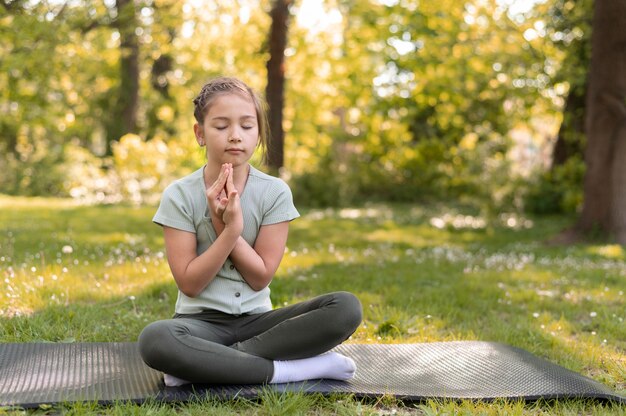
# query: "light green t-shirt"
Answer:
x=265 y=200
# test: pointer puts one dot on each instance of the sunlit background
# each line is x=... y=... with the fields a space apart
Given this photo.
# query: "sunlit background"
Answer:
x=422 y=140
x=385 y=99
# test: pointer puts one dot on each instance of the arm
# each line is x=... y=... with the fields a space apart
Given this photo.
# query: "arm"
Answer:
x=258 y=264
x=193 y=272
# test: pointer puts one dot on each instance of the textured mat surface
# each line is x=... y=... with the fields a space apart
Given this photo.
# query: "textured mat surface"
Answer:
x=33 y=374
x=39 y=373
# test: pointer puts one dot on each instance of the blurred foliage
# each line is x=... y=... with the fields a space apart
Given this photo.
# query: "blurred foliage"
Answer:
x=386 y=100
x=558 y=190
x=567 y=28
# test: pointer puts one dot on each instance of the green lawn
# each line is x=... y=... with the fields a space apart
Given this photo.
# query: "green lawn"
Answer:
x=434 y=273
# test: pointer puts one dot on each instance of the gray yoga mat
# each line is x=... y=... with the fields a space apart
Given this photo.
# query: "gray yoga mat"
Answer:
x=45 y=373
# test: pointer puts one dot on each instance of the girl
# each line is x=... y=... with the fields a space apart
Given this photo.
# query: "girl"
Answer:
x=225 y=228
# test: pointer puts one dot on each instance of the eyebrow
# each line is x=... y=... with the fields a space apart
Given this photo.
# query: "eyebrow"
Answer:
x=228 y=118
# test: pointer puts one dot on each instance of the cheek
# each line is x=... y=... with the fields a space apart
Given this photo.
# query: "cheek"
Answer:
x=254 y=133
x=207 y=132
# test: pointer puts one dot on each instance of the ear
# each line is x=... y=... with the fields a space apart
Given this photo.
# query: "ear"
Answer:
x=197 y=129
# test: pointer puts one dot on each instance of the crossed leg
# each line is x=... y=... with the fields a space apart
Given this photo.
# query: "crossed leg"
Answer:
x=276 y=346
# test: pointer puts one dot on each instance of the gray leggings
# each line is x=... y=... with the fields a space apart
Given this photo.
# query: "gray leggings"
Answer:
x=216 y=347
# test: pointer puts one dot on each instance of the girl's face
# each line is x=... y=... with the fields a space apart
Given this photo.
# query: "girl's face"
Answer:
x=230 y=130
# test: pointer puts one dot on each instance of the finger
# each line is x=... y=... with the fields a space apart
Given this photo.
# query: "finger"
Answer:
x=233 y=200
x=221 y=179
x=222 y=203
x=216 y=188
x=230 y=186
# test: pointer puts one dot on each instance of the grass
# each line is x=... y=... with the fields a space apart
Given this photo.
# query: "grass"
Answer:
x=423 y=273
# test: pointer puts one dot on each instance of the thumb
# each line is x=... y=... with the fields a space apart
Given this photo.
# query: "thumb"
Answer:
x=233 y=195
x=233 y=199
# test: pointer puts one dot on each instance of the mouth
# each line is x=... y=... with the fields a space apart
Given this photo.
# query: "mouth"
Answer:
x=234 y=150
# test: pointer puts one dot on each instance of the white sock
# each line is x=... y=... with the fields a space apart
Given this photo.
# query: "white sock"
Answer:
x=171 y=381
x=330 y=365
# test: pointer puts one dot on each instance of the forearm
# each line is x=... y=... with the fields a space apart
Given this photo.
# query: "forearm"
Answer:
x=218 y=224
x=200 y=271
x=247 y=261
x=251 y=265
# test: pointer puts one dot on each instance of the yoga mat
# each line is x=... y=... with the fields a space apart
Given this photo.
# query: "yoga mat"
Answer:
x=46 y=373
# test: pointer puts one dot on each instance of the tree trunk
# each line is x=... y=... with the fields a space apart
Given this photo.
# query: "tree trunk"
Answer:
x=570 y=138
x=128 y=94
x=604 y=208
x=275 y=90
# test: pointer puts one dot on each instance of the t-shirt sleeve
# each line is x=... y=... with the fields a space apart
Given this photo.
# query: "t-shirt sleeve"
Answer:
x=281 y=207
x=174 y=210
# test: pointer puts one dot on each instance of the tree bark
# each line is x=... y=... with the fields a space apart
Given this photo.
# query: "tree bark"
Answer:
x=604 y=207
x=128 y=94
x=570 y=138
x=275 y=90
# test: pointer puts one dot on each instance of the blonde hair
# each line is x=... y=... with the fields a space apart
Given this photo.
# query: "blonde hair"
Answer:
x=230 y=85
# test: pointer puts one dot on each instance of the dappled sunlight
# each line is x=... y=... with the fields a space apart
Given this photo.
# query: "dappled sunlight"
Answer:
x=531 y=292
x=572 y=320
x=458 y=222
x=80 y=278
x=450 y=109
x=610 y=251
x=409 y=235
x=392 y=325
x=571 y=346
x=461 y=222
x=119 y=239
x=416 y=282
x=515 y=221
x=375 y=254
x=378 y=213
x=15 y=202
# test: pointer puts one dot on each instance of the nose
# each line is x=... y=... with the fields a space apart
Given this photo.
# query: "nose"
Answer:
x=235 y=136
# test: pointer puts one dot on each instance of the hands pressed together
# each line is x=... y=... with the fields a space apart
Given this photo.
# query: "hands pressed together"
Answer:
x=224 y=204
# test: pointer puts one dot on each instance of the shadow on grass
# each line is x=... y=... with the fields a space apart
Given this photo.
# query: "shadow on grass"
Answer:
x=404 y=304
x=417 y=283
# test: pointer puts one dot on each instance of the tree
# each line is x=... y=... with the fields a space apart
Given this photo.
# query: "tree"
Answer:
x=33 y=115
x=459 y=79
x=128 y=92
x=159 y=100
x=569 y=142
x=604 y=207
x=275 y=91
x=123 y=105
x=569 y=28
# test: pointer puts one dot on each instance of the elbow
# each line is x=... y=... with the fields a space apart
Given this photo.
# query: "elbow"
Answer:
x=261 y=283
x=190 y=293
x=189 y=290
x=188 y=285
x=258 y=287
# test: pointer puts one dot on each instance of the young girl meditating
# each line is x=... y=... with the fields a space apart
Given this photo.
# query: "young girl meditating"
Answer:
x=225 y=229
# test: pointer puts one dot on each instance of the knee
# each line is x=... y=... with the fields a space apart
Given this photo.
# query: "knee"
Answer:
x=151 y=342
x=349 y=309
